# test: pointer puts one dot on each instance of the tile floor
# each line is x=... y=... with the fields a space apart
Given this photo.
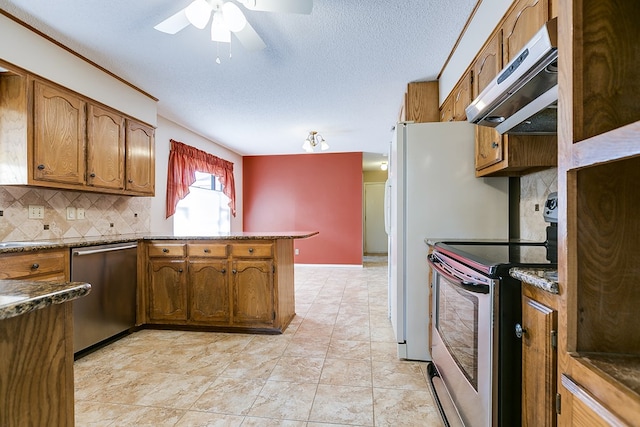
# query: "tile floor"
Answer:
x=335 y=365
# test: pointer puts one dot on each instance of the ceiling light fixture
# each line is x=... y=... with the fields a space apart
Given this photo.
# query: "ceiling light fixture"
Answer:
x=384 y=166
x=314 y=139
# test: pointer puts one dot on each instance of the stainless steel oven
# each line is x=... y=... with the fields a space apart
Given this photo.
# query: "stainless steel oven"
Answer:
x=476 y=369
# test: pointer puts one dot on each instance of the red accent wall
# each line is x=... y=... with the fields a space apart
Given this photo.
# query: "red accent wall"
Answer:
x=307 y=192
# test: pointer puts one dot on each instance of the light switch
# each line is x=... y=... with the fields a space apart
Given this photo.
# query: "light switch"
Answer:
x=71 y=213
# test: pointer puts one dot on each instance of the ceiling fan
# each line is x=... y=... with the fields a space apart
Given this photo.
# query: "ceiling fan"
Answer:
x=228 y=18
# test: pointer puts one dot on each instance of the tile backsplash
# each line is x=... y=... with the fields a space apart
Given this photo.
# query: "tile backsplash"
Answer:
x=105 y=214
x=534 y=189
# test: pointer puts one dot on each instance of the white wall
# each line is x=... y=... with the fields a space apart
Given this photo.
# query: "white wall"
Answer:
x=166 y=131
x=39 y=56
x=484 y=22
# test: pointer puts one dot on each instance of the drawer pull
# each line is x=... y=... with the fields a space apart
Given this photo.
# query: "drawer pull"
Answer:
x=41 y=167
x=35 y=266
x=223 y=271
x=165 y=250
x=234 y=271
x=494 y=144
x=180 y=270
x=206 y=251
x=93 y=175
x=250 y=250
x=130 y=181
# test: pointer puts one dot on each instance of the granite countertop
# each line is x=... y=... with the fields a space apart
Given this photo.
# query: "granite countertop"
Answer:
x=18 y=297
x=76 y=242
x=543 y=278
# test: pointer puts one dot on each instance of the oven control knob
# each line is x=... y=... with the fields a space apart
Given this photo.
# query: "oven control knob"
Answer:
x=520 y=331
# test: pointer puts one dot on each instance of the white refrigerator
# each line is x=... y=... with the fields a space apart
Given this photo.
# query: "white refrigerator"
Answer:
x=433 y=193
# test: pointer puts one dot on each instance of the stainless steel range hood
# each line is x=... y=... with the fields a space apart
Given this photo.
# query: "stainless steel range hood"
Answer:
x=523 y=98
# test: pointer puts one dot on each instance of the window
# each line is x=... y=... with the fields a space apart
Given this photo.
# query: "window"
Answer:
x=204 y=211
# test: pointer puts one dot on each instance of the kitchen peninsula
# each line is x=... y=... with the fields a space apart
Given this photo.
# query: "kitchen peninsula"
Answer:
x=36 y=352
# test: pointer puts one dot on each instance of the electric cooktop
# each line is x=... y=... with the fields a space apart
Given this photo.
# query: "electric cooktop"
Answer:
x=494 y=256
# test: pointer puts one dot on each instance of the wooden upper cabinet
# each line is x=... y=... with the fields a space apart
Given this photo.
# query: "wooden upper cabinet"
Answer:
x=489 y=142
x=446 y=111
x=59 y=135
x=462 y=97
x=140 y=161
x=453 y=108
x=105 y=148
x=527 y=17
x=421 y=102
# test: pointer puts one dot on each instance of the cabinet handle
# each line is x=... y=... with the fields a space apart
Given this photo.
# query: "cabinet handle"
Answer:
x=234 y=271
x=165 y=250
x=41 y=167
x=223 y=271
x=520 y=331
x=206 y=251
x=494 y=144
x=35 y=266
x=92 y=175
x=250 y=250
x=180 y=270
x=130 y=181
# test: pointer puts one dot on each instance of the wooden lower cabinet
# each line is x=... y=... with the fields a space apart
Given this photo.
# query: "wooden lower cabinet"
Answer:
x=209 y=292
x=539 y=359
x=167 y=289
x=253 y=299
x=218 y=284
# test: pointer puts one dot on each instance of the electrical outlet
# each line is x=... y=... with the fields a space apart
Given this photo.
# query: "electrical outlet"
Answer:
x=71 y=213
x=80 y=213
x=36 y=212
x=297 y=251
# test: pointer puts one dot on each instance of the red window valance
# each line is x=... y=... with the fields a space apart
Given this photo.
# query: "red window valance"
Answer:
x=184 y=161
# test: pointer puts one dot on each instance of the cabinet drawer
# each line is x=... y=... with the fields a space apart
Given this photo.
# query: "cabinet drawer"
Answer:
x=207 y=250
x=160 y=249
x=252 y=250
x=24 y=266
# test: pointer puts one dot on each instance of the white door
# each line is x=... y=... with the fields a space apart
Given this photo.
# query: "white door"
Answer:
x=375 y=236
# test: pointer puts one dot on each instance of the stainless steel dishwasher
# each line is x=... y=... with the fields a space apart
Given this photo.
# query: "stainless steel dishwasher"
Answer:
x=110 y=307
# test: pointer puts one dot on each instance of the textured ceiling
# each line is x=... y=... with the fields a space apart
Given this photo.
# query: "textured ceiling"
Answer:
x=342 y=70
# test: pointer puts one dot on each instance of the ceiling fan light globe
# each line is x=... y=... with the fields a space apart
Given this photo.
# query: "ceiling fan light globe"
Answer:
x=233 y=17
x=198 y=13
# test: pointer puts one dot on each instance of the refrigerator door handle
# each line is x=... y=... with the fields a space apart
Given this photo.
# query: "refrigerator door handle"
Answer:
x=387 y=207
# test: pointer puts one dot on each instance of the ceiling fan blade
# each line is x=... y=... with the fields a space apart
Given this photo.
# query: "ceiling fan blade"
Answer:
x=249 y=38
x=287 y=6
x=174 y=23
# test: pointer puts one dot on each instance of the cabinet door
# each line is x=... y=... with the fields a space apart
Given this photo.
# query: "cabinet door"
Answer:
x=489 y=144
x=209 y=292
x=140 y=161
x=253 y=298
x=462 y=97
x=167 y=289
x=446 y=111
x=538 y=364
x=105 y=148
x=527 y=18
x=59 y=135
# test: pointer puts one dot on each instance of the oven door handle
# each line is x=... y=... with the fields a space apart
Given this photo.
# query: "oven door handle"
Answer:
x=476 y=288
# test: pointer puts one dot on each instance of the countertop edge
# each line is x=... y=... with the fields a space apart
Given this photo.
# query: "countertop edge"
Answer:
x=124 y=238
x=45 y=295
x=542 y=278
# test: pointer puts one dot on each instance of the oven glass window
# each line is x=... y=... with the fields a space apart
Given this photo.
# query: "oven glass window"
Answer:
x=457 y=323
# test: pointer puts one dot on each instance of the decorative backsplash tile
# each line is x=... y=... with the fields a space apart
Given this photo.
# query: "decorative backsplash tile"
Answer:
x=105 y=214
x=534 y=189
